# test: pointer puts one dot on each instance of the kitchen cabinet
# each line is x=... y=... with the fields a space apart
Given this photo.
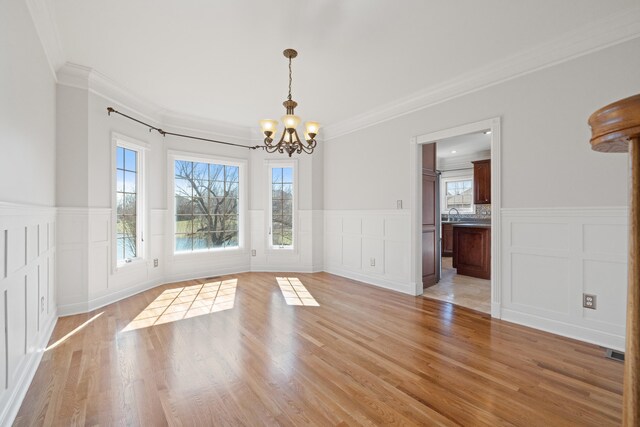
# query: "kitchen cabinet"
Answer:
x=472 y=250
x=447 y=239
x=482 y=182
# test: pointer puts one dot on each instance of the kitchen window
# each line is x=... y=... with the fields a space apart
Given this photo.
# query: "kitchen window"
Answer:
x=458 y=194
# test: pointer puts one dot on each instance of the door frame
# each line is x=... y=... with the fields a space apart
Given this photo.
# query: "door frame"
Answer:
x=416 y=201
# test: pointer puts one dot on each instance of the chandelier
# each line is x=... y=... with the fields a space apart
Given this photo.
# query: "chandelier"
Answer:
x=289 y=141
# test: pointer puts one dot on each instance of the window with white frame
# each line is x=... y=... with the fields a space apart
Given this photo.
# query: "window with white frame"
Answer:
x=457 y=193
x=128 y=202
x=207 y=207
x=282 y=205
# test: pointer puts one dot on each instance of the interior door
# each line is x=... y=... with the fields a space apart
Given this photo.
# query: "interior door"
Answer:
x=430 y=232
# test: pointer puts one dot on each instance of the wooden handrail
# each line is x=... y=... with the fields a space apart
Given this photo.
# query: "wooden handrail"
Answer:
x=616 y=128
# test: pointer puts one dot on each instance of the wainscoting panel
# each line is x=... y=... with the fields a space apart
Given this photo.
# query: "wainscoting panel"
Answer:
x=303 y=258
x=354 y=240
x=552 y=256
x=27 y=298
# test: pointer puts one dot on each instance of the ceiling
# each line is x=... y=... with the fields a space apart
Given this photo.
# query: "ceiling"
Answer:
x=463 y=145
x=222 y=60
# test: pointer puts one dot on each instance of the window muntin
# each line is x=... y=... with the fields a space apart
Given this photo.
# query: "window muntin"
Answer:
x=282 y=207
x=458 y=194
x=206 y=205
x=127 y=200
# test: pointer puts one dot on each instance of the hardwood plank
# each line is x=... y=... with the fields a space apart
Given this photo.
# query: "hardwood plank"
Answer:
x=364 y=356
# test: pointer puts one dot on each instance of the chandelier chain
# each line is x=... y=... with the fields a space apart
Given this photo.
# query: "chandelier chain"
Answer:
x=290 y=73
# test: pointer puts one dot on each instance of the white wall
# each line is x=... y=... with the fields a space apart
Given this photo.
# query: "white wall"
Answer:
x=546 y=164
x=27 y=197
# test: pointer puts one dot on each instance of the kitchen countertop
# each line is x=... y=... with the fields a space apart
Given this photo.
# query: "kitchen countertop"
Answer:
x=469 y=224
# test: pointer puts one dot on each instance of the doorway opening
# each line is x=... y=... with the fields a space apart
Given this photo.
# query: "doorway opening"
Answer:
x=457 y=217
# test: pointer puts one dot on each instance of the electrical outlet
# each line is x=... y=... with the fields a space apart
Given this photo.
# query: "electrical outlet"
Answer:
x=589 y=301
x=399 y=204
x=373 y=262
x=42 y=305
x=253 y=252
x=155 y=262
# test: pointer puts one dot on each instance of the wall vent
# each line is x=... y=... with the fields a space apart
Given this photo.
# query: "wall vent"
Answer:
x=615 y=355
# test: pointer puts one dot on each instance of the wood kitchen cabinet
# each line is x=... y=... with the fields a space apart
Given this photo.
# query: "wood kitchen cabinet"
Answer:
x=472 y=251
x=482 y=182
x=447 y=239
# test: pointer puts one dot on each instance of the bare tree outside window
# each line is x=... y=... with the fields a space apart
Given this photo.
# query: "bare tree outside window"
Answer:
x=206 y=201
x=282 y=207
x=126 y=203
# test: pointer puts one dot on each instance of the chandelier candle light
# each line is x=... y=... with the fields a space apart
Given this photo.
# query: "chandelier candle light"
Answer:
x=289 y=141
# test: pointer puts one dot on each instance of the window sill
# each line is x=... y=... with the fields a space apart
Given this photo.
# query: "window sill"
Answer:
x=121 y=265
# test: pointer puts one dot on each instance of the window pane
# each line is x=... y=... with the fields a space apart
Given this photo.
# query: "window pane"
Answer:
x=287 y=191
x=216 y=172
x=230 y=206
x=232 y=173
x=184 y=224
x=119 y=158
x=231 y=189
x=184 y=242
x=129 y=247
x=130 y=182
x=276 y=208
x=231 y=223
x=119 y=204
x=120 y=181
x=277 y=239
x=287 y=208
x=276 y=175
x=201 y=205
x=130 y=160
x=231 y=239
x=217 y=240
x=129 y=204
x=183 y=169
x=287 y=175
x=183 y=187
x=276 y=192
x=201 y=241
x=201 y=172
x=217 y=188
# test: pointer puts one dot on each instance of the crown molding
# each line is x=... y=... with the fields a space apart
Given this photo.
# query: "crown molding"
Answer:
x=615 y=29
x=42 y=16
x=81 y=77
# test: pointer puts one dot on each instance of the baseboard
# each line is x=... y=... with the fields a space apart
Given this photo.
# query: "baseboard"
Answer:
x=28 y=368
x=391 y=284
x=291 y=268
x=565 y=329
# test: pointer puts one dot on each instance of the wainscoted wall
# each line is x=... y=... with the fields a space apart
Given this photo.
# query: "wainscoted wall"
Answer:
x=551 y=257
x=27 y=297
x=87 y=272
x=354 y=240
x=305 y=257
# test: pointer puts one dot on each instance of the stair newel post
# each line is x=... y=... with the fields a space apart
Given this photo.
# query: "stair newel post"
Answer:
x=616 y=128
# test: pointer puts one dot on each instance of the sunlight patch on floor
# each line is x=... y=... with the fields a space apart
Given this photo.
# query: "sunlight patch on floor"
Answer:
x=295 y=293
x=70 y=334
x=184 y=303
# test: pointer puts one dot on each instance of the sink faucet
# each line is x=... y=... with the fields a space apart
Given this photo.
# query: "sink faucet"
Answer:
x=457 y=213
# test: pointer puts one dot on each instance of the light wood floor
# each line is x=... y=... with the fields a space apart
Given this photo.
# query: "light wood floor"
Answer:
x=364 y=356
x=457 y=289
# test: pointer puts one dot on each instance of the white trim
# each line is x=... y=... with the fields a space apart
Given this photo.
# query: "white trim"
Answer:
x=243 y=211
x=269 y=166
x=44 y=22
x=416 y=201
x=587 y=211
x=564 y=329
x=28 y=370
x=404 y=287
x=612 y=30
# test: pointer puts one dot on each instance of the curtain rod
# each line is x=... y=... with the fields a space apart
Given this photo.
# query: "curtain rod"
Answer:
x=164 y=133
